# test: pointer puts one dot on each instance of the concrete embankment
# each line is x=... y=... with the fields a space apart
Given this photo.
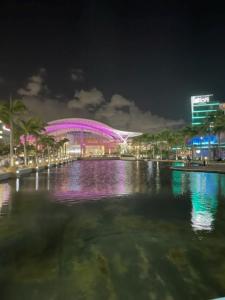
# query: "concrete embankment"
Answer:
x=5 y=175
x=217 y=168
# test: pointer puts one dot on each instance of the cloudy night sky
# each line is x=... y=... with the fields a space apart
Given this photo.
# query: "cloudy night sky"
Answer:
x=131 y=64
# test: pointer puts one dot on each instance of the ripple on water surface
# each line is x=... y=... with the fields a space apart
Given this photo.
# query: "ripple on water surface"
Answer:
x=154 y=234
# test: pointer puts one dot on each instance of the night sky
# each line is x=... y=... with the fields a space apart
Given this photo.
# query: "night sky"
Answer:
x=155 y=53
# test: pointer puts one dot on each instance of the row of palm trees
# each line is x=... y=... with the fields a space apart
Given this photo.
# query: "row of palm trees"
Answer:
x=166 y=140
x=156 y=144
x=23 y=128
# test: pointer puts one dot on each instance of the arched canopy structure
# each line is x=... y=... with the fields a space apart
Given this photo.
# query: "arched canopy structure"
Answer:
x=63 y=126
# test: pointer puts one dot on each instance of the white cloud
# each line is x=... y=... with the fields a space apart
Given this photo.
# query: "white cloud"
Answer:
x=86 y=99
x=123 y=114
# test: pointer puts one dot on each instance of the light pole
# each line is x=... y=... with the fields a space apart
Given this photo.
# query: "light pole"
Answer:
x=15 y=153
x=201 y=138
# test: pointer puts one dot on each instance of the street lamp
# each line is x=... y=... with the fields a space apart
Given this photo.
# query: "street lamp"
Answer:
x=15 y=153
x=201 y=138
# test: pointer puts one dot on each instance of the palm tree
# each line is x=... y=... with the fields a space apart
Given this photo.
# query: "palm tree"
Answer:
x=62 y=146
x=166 y=140
x=154 y=138
x=9 y=114
x=38 y=130
x=216 y=123
x=177 y=141
x=31 y=127
x=138 y=142
x=189 y=132
x=48 y=142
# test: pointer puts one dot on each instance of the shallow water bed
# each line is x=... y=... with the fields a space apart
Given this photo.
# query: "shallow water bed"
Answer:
x=113 y=230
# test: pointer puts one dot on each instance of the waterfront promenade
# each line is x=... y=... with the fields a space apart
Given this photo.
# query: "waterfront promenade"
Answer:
x=8 y=173
x=212 y=167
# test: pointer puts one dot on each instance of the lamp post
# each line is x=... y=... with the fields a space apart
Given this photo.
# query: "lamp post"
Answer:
x=15 y=153
x=201 y=138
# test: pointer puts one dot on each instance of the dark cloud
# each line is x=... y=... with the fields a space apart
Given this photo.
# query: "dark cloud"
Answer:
x=77 y=75
x=119 y=112
x=35 y=85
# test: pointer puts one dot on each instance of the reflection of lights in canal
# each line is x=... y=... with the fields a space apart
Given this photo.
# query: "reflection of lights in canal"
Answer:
x=204 y=193
x=157 y=178
x=204 y=189
x=17 y=184
x=36 y=181
x=5 y=191
x=93 y=180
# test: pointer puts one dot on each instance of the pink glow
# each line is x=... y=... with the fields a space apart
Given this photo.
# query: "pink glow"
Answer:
x=71 y=125
x=29 y=138
x=66 y=125
x=97 y=184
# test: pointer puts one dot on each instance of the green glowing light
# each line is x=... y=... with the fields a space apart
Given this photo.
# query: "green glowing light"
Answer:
x=207 y=110
x=203 y=117
x=203 y=104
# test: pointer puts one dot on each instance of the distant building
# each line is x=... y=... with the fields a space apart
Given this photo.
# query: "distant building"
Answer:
x=89 y=137
x=201 y=107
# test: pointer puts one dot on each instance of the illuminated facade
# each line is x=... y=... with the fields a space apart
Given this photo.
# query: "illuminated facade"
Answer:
x=89 y=137
x=201 y=107
x=4 y=132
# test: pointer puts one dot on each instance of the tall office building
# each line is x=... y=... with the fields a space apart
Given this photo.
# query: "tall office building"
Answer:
x=201 y=107
x=205 y=145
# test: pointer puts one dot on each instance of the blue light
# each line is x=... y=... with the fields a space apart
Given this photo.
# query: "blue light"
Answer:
x=205 y=140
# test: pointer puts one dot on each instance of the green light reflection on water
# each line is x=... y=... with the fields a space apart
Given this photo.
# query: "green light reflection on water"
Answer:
x=204 y=189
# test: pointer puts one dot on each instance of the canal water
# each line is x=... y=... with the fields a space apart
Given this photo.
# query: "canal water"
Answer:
x=128 y=230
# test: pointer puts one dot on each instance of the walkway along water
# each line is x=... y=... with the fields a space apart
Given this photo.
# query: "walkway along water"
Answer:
x=210 y=168
x=24 y=171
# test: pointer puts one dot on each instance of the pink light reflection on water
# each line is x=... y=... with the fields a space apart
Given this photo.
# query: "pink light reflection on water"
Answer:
x=94 y=180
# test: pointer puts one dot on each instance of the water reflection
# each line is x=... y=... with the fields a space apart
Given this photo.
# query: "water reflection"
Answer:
x=36 y=181
x=204 y=195
x=48 y=180
x=179 y=185
x=94 y=179
x=204 y=189
x=157 y=178
x=5 y=191
x=17 y=184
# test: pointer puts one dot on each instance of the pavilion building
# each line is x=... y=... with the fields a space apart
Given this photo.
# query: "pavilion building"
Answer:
x=89 y=137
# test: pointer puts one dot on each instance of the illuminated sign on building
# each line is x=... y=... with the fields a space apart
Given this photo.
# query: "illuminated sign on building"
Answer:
x=200 y=99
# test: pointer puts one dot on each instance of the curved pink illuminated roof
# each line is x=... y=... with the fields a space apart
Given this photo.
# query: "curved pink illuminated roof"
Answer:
x=86 y=125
